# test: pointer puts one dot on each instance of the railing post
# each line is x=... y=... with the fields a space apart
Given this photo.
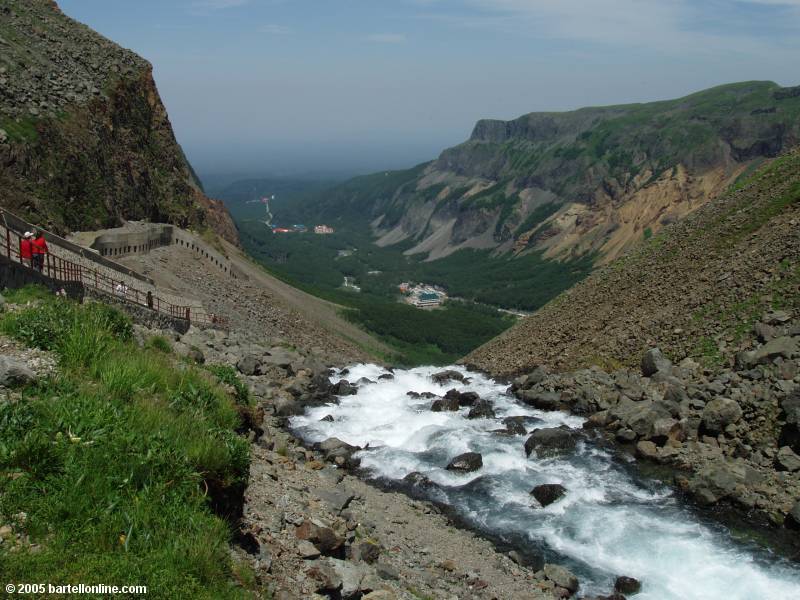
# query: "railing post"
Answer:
x=188 y=314
x=8 y=243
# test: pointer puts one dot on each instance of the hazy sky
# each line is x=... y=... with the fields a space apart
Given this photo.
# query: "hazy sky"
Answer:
x=274 y=85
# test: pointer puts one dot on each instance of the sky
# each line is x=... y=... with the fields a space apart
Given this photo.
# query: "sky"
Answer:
x=271 y=87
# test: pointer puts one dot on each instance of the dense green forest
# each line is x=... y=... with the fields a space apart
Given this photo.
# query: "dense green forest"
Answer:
x=477 y=282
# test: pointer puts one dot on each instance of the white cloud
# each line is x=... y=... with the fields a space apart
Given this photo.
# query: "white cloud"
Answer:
x=386 y=38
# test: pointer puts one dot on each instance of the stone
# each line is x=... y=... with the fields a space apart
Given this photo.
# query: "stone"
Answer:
x=14 y=372
x=324 y=538
x=448 y=375
x=626 y=436
x=335 y=450
x=654 y=361
x=367 y=552
x=248 y=365
x=468 y=398
x=482 y=410
x=548 y=493
x=787 y=460
x=536 y=376
x=715 y=481
x=780 y=347
x=719 y=413
x=385 y=377
x=380 y=595
x=553 y=441
x=541 y=400
x=562 y=577
x=3 y=136
x=343 y=388
x=352 y=575
x=627 y=585
x=647 y=449
x=466 y=463
x=307 y=550
x=445 y=404
x=336 y=499
x=281 y=357
x=196 y=356
x=793 y=518
x=777 y=317
x=515 y=425
x=764 y=332
x=327 y=579
x=287 y=407
x=327 y=419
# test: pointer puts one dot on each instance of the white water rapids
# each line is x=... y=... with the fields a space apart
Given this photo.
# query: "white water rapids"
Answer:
x=609 y=523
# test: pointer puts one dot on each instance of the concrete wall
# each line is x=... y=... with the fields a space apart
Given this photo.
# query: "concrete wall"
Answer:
x=155 y=236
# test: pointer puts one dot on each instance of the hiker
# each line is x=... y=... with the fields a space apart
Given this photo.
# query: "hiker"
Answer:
x=39 y=249
x=26 y=249
x=121 y=289
x=149 y=299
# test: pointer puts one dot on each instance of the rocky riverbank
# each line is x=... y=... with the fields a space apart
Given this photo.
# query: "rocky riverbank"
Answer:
x=312 y=528
x=729 y=435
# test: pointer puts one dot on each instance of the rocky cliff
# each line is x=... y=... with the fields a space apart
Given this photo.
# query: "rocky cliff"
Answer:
x=85 y=141
x=595 y=180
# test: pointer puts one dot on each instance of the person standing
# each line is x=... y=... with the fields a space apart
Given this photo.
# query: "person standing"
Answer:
x=39 y=249
x=26 y=249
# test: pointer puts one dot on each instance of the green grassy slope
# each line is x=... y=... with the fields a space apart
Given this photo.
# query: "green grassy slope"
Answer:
x=117 y=462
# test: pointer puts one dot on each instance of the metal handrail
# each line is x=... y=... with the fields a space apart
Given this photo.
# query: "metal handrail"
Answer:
x=67 y=271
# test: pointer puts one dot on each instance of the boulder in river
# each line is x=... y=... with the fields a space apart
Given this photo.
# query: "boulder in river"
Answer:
x=466 y=463
x=482 y=410
x=627 y=585
x=339 y=452
x=548 y=493
x=515 y=425
x=448 y=375
x=562 y=577
x=445 y=405
x=343 y=388
x=550 y=441
x=385 y=377
x=468 y=398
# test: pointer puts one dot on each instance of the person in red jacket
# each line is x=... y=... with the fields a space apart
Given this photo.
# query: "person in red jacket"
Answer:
x=39 y=249
x=26 y=249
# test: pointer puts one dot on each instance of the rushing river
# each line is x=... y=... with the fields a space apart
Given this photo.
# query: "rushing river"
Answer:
x=609 y=523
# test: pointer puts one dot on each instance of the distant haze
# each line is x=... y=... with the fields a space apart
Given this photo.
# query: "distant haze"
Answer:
x=304 y=86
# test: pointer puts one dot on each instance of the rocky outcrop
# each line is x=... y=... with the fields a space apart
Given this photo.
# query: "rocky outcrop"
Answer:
x=87 y=140
x=728 y=434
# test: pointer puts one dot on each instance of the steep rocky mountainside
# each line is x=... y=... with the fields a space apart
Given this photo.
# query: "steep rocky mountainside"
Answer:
x=567 y=184
x=697 y=290
x=85 y=141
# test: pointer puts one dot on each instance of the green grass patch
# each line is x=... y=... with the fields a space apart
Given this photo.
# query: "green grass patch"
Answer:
x=22 y=129
x=118 y=461
x=28 y=293
x=160 y=343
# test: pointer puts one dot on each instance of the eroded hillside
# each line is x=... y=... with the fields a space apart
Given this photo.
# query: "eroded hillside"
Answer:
x=85 y=141
x=695 y=290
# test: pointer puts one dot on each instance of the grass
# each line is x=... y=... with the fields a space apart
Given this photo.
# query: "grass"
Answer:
x=20 y=130
x=116 y=461
x=160 y=343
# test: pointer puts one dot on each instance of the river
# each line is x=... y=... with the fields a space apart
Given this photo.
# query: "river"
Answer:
x=610 y=522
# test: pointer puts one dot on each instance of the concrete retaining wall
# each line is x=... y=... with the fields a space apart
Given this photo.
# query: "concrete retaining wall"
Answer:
x=155 y=235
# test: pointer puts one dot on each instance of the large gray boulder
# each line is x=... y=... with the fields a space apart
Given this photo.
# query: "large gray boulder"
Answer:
x=719 y=413
x=448 y=375
x=446 y=404
x=482 y=410
x=248 y=364
x=14 y=372
x=466 y=463
x=654 y=361
x=543 y=400
x=783 y=347
x=548 y=493
x=562 y=577
x=551 y=441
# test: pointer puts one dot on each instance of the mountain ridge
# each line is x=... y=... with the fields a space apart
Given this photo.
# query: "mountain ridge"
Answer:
x=567 y=184
x=85 y=141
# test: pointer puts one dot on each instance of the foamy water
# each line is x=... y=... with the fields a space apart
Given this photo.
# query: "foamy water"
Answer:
x=608 y=524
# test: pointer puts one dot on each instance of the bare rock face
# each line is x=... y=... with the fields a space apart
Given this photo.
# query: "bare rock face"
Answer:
x=91 y=143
